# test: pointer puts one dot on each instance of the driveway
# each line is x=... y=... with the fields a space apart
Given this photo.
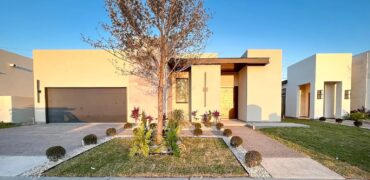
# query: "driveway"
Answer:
x=22 y=148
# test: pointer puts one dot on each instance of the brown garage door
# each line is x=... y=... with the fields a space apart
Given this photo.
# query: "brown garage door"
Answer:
x=71 y=105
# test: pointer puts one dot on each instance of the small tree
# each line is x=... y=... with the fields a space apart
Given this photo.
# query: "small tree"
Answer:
x=152 y=37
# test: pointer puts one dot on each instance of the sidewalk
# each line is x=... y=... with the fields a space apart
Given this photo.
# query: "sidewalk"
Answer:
x=281 y=161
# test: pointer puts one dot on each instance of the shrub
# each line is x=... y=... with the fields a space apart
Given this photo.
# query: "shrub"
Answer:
x=357 y=116
x=357 y=123
x=236 y=141
x=253 y=158
x=90 y=139
x=111 y=132
x=197 y=125
x=135 y=130
x=172 y=137
x=228 y=132
x=141 y=141
x=153 y=125
x=216 y=114
x=127 y=126
x=339 y=120
x=135 y=113
x=177 y=115
x=322 y=119
x=198 y=132
x=55 y=153
x=219 y=126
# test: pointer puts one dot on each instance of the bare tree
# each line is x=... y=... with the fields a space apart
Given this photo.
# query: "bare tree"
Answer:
x=152 y=37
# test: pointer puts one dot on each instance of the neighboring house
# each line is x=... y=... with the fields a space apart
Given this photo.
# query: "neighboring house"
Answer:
x=16 y=88
x=319 y=86
x=87 y=86
x=360 y=94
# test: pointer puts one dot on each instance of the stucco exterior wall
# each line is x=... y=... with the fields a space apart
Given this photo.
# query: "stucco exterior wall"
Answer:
x=360 y=81
x=209 y=77
x=300 y=73
x=81 y=68
x=263 y=87
x=333 y=68
x=16 y=88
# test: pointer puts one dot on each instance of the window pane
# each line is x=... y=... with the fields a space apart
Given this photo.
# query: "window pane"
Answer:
x=182 y=90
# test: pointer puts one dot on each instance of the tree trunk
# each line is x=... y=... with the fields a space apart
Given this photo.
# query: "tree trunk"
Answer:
x=160 y=124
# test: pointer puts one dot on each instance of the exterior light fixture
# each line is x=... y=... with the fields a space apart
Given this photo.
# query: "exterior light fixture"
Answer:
x=319 y=94
x=13 y=65
x=347 y=94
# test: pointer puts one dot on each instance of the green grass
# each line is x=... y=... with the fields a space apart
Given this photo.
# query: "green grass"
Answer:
x=199 y=157
x=7 y=125
x=343 y=149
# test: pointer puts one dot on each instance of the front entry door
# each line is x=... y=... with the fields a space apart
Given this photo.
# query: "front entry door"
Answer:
x=228 y=103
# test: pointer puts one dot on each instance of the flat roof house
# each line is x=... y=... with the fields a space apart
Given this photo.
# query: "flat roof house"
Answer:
x=16 y=88
x=319 y=86
x=360 y=95
x=85 y=86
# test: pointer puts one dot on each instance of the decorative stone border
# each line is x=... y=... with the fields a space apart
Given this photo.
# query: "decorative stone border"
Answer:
x=239 y=153
x=38 y=170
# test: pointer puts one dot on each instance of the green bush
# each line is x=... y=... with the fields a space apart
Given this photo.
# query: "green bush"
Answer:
x=228 y=132
x=322 y=119
x=357 y=123
x=127 y=126
x=55 y=153
x=236 y=141
x=111 y=132
x=198 y=132
x=141 y=141
x=177 y=115
x=172 y=137
x=153 y=125
x=338 y=120
x=197 y=125
x=357 y=116
x=253 y=158
x=135 y=130
x=219 y=126
x=90 y=139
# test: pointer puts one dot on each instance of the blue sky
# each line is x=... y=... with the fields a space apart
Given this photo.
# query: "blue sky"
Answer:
x=299 y=27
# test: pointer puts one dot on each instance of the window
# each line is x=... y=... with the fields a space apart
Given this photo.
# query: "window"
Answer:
x=182 y=90
x=347 y=94
x=319 y=94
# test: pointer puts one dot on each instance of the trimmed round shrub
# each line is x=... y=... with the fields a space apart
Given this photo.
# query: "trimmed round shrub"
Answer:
x=253 y=158
x=55 y=153
x=219 y=126
x=322 y=119
x=236 y=141
x=339 y=120
x=127 y=126
x=228 y=132
x=357 y=123
x=197 y=125
x=90 y=139
x=111 y=132
x=153 y=125
x=198 y=132
x=357 y=116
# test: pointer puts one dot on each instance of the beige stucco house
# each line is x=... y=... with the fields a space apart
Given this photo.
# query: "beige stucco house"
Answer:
x=319 y=86
x=84 y=86
x=16 y=88
x=360 y=95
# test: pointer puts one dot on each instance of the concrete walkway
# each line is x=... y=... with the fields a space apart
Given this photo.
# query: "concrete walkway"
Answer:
x=22 y=148
x=281 y=161
x=365 y=125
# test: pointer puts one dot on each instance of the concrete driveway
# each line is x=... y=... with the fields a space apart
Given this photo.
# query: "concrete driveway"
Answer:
x=22 y=148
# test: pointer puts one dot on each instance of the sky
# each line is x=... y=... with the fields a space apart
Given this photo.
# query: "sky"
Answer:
x=300 y=28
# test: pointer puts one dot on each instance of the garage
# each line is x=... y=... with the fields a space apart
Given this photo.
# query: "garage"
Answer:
x=86 y=105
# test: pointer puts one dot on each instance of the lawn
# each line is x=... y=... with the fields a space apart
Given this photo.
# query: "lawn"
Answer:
x=343 y=149
x=200 y=157
x=7 y=125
